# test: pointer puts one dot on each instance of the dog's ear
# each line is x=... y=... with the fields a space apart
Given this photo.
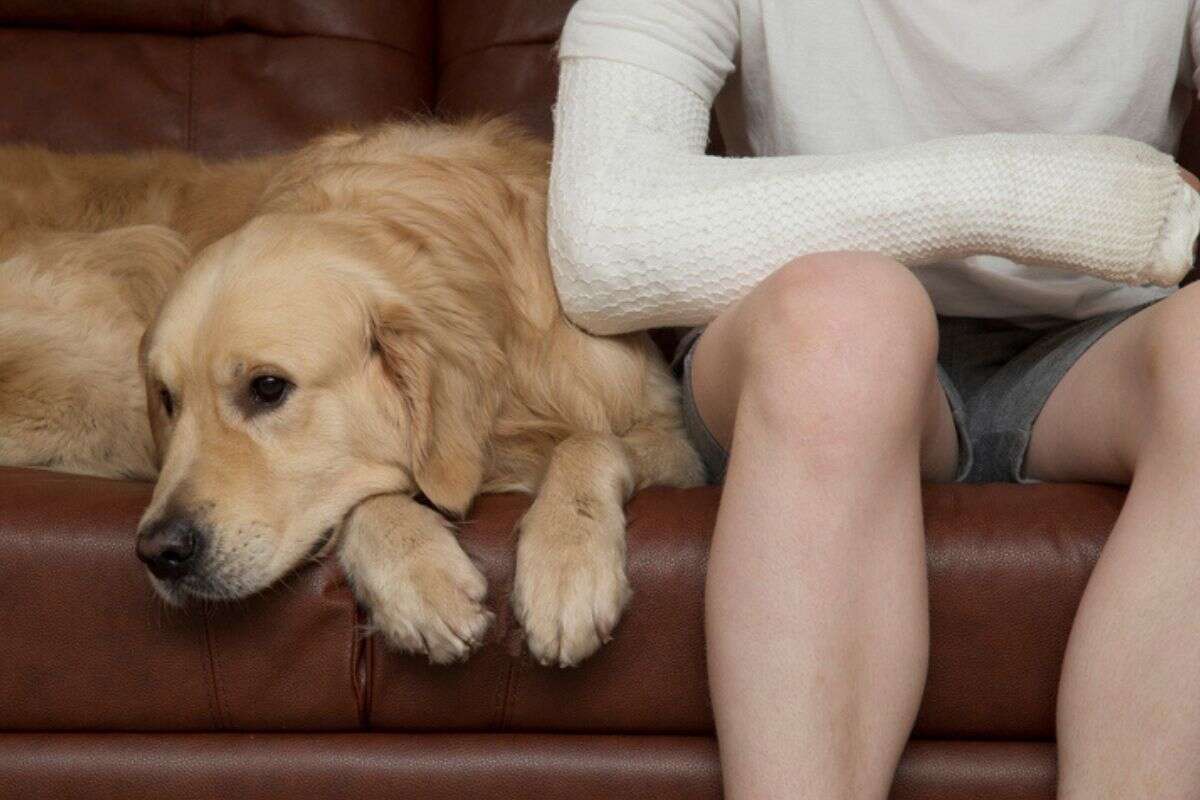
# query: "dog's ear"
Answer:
x=445 y=378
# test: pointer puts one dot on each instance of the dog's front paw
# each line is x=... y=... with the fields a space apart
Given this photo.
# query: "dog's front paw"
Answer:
x=407 y=568
x=434 y=605
x=569 y=592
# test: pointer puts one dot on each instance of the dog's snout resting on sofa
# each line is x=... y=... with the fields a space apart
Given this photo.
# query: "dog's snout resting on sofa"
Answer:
x=341 y=330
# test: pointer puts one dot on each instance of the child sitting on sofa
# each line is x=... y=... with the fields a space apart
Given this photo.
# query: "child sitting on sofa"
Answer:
x=951 y=253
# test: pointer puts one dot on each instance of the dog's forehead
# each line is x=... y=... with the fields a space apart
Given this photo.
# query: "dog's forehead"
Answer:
x=282 y=301
x=181 y=317
x=250 y=301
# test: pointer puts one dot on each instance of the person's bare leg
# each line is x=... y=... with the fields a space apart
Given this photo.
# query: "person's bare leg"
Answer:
x=1129 y=697
x=822 y=383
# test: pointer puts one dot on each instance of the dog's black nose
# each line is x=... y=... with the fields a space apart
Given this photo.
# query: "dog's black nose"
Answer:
x=168 y=547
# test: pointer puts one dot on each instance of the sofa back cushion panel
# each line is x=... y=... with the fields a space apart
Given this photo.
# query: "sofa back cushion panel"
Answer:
x=500 y=60
x=222 y=78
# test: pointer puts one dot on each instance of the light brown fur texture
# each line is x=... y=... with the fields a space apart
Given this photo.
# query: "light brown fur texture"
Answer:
x=397 y=279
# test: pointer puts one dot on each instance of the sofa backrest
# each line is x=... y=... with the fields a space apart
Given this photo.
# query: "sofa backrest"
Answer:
x=239 y=77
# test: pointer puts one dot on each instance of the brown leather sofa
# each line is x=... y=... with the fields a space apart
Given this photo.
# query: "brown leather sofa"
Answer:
x=104 y=693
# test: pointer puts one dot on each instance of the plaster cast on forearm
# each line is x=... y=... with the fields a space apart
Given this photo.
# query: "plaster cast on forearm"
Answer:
x=647 y=231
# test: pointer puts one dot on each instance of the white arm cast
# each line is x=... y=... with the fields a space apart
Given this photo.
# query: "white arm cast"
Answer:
x=647 y=231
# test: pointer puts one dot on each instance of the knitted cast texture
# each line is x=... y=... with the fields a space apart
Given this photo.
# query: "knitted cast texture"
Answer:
x=647 y=231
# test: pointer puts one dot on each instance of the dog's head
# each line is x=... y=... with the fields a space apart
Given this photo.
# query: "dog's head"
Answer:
x=303 y=364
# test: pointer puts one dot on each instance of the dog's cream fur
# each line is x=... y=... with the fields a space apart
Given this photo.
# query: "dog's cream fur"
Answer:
x=398 y=279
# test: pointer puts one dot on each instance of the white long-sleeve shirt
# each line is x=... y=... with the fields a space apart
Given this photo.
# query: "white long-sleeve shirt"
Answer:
x=867 y=120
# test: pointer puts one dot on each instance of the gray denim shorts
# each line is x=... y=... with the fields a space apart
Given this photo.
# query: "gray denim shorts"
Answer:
x=996 y=375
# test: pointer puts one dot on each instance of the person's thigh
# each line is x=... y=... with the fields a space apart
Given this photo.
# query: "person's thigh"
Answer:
x=1095 y=420
x=719 y=359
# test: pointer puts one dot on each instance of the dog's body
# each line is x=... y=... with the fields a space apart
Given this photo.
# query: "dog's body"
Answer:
x=370 y=317
x=89 y=247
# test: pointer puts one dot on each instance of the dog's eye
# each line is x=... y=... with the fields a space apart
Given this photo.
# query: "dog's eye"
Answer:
x=168 y=402
x=269 y=390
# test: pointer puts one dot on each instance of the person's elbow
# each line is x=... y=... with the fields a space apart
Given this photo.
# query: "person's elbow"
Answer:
x=580 y=288
x=581 y=267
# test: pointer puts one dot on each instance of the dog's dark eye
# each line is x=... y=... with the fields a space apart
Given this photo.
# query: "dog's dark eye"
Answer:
x=269 y=390
x=168 y=402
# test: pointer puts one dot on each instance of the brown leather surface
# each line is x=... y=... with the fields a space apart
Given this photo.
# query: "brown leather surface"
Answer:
x=1007 y=567
x=531 y=77
x=445 y=767
x=933 y=770
x=404 y=24
x=465 y=26
x=87 y=646
x=219 y=77
x=252 y=93
x=500 y=61
x=339 y=766
x=167 y=16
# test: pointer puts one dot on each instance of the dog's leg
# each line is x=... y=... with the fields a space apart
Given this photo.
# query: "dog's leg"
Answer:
x=570 y=585
x=663 y=456
x=408 y=569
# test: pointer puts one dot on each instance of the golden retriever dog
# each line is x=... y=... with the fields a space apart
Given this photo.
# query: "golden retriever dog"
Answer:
x=330 y=335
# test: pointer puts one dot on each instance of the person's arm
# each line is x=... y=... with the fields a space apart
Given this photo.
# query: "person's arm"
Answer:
x=647 y=231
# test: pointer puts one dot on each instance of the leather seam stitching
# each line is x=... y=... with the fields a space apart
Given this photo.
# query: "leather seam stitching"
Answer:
x=215 y=698
x=505 y=620
x=494 y=46
x=362 y=648
x=337 y=37
x=500 y=703
x=196 y=34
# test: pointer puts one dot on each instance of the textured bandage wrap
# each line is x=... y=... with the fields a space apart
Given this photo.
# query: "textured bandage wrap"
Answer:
x=647 y=231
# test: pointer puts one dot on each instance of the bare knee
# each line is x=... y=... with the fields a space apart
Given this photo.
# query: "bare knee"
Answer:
x=849 y=339
x=860 y=320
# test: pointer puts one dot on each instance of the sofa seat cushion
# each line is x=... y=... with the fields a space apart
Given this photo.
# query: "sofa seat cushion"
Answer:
x=86 y=645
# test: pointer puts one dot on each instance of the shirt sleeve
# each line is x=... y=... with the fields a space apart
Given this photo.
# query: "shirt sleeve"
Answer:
x=645 y=230
x=690 y=41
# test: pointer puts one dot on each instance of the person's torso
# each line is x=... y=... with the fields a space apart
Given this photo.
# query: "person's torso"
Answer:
x=835 y=76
